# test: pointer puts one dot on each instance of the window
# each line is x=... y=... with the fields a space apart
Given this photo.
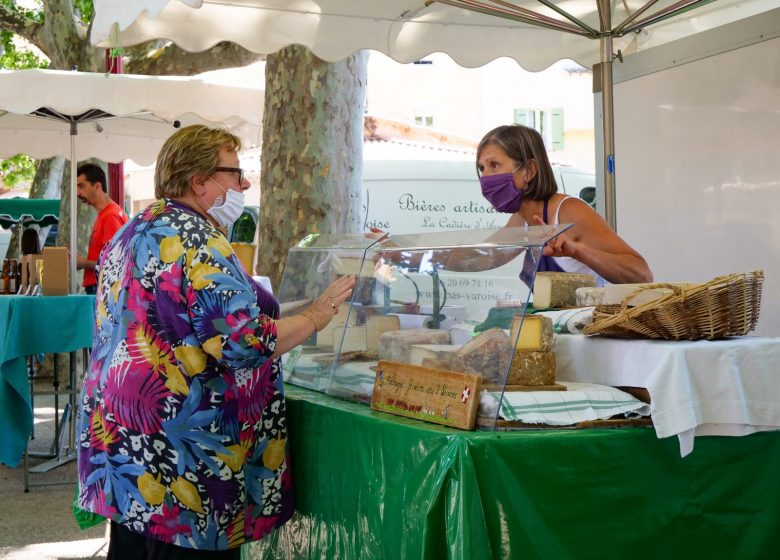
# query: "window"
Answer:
x=548 y=122
x=424 y=116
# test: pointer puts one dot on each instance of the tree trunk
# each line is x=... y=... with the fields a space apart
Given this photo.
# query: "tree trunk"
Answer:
x=312 y=156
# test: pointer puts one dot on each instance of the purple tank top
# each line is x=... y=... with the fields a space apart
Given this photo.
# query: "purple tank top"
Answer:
x=546 y=264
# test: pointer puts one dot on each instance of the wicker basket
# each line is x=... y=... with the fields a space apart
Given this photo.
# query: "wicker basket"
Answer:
x=724 y=306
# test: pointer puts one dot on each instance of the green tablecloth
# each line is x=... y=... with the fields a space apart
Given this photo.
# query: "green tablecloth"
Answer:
x=370 y=485
x=34 y=325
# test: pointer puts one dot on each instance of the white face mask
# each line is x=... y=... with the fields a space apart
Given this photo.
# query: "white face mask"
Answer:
x=227 y=212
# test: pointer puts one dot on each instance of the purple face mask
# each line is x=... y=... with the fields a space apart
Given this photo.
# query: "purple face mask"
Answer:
x=501 y=192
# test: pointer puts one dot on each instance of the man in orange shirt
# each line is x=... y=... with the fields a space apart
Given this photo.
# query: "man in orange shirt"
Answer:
x=91 y=188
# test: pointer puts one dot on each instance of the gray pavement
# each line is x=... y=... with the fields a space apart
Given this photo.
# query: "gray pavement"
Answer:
x=39 y=525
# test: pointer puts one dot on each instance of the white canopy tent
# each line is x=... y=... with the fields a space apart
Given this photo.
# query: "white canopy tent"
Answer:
x=535 y=33
x=78 y=115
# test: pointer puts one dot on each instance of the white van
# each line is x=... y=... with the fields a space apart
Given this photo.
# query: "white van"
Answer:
x=415 y=196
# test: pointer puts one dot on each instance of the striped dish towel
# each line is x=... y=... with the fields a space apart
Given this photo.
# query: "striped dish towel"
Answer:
x=313 y=371
x=579 y=403
x=356 y=378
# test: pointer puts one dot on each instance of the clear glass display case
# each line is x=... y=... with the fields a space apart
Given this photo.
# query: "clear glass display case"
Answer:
x=431 y=300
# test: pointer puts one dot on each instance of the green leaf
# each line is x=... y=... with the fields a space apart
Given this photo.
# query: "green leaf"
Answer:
x=17 y=169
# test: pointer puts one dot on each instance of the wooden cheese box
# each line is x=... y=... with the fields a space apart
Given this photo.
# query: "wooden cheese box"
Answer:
x=444 y=397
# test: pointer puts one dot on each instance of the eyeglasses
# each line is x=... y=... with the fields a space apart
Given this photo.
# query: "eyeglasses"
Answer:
x=233 y=170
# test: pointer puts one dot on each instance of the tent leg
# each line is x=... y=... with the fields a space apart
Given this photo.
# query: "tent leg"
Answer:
x=607 y=106
x=609 y=139
x=74 y=248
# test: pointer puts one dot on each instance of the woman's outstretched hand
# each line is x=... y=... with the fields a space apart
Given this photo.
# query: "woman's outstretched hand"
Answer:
x=327 y=305
x=379 y=235
x=560 y=246
x=292 y=331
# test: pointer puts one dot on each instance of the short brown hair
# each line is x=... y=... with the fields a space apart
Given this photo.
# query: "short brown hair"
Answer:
x=94 y=174
x=523 y=144
x=193 y=150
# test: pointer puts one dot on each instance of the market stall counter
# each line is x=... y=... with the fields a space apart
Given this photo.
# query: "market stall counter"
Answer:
x=28 y=326
x=371 y=485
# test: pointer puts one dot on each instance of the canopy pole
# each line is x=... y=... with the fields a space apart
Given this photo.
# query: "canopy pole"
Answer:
x=116 y=171
x=74 y=248
x=607 y=106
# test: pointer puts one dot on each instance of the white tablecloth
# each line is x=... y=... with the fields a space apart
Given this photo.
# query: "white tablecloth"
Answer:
x=724 y=387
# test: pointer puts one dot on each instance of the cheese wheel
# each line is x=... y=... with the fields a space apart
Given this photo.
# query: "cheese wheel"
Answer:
x=532 y=368
x=559 y=289
x=535 y=334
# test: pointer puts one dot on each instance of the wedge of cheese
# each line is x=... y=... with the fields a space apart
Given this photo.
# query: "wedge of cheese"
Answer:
x=589 y=297
x=488 y=355
x=440 y=354
x=535 y=334
x=396 y=345
x=532 y=368
x=326 y=335
x=559 y=289
x=378 y=324
x=354 y=339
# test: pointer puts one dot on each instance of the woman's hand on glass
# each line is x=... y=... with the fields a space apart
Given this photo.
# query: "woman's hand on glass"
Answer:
x=560 y=246
x=325 y=307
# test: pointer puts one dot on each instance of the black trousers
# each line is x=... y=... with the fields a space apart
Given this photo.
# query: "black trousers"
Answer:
x=126 y=545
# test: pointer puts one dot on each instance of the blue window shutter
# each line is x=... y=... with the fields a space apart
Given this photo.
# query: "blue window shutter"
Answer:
x=522 y=116
x=557 y=128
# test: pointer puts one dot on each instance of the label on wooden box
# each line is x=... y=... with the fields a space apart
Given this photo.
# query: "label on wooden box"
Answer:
x=443 y=397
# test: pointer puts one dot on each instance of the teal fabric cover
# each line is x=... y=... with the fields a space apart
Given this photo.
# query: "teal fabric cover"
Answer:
x=34 y=325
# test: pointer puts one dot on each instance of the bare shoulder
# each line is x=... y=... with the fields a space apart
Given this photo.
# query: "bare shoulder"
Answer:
x=574 y=210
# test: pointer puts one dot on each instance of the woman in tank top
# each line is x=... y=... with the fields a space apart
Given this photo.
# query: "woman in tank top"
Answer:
x=517 y=179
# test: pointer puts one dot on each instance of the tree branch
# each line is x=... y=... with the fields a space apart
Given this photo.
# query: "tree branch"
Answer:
x=14 y=20
x=59 y=15
x=155 y=60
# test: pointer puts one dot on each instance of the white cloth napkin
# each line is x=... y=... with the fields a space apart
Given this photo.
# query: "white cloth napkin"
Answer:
x=720 y=387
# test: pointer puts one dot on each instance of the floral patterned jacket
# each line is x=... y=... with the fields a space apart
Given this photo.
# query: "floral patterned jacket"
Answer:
x=181 y=431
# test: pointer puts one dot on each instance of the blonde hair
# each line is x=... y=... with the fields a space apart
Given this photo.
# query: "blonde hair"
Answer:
x=523 y=144
x=193 y=150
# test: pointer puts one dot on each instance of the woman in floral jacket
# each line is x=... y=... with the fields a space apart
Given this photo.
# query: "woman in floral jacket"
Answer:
x=182 y=430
